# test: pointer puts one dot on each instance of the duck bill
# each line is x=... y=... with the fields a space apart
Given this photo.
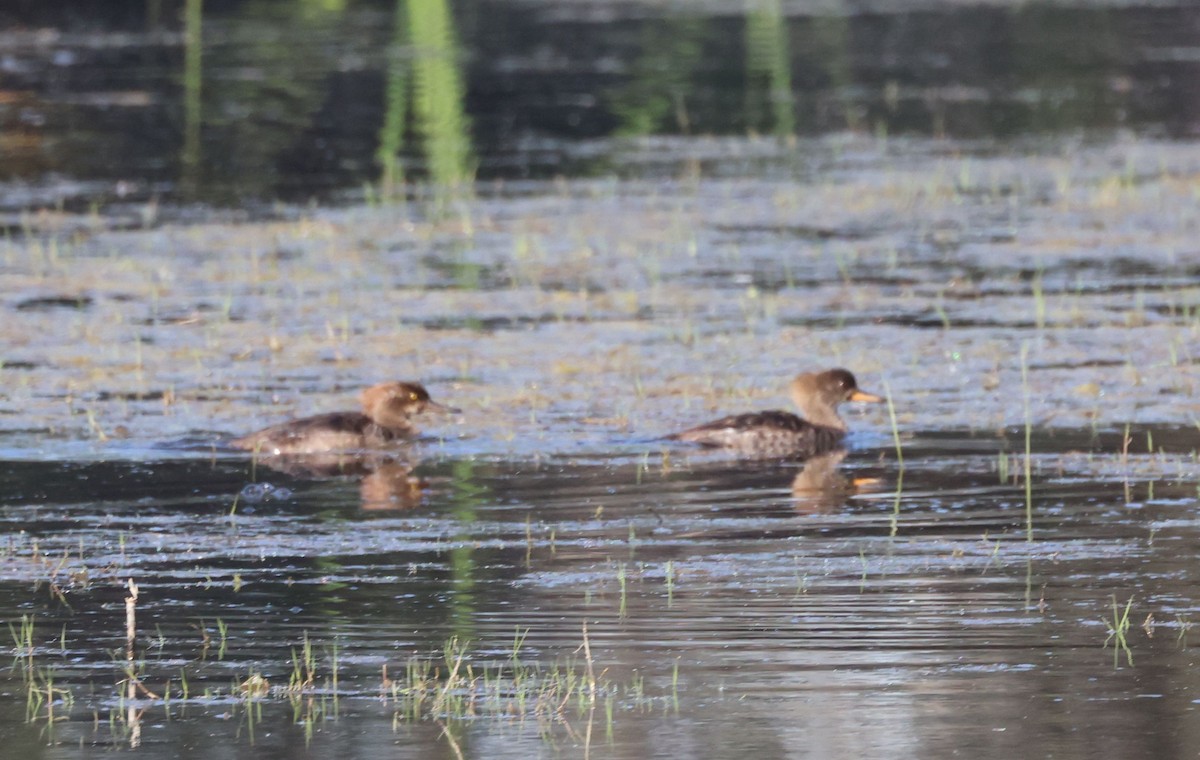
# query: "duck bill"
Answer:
x=433 y=406
x=865 y=397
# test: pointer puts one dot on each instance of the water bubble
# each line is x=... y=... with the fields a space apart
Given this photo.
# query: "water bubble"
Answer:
x=255 y=493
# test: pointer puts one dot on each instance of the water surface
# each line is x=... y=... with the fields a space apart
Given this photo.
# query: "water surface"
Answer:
x=616 y=226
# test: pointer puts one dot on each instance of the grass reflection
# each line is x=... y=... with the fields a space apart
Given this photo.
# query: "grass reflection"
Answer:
x=438 y=96
x=467 y=496
x=662 y=78
x=827 y=44
x=192 y=80
x=768 y=68
x=395 y=111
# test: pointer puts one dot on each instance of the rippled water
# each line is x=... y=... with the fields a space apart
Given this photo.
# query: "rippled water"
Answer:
x=1000 y=563
x=847 y=605
x=725 y=609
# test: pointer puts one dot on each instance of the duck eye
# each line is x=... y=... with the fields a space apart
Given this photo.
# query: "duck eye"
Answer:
x=412 y=396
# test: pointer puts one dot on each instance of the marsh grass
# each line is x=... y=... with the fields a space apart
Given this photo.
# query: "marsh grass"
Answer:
x=1028 y=443
x=895 y=518
x=457 y=686
x=304 y=667
x=22 y=637
x=1118 y=630
x=669 y=577
x=621 y=583
x=461 y=682
x=45 y=702
x=223 y=640
x=453 y=684
x=1185 y=626
x=1126 y=440
x=528 y=540
x=1039 y=297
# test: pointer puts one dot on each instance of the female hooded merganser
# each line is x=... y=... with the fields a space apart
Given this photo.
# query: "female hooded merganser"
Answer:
x=777 y=433
x=388 y=409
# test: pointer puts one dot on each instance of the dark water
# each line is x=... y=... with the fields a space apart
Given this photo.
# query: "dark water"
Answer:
x=847 y=619
x=588 y=225
x=243 y=103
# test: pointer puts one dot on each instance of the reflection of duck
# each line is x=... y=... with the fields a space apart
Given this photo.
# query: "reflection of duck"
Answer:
x=391 y=486
x=778 y=433
x=335 y=464
x=820 y=477
x=821 y=487
x=385 y=480
x=388 y=409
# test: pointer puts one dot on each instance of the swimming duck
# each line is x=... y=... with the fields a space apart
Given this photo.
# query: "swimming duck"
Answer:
x=388 y=409
x=776 y=433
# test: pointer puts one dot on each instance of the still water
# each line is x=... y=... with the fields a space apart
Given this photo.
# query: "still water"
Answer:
x=232 y=103
x=589 y=225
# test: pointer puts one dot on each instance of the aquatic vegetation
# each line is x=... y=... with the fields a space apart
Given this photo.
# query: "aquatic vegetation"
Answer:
x=591 y=298
x=1029 y=308
x=1028 y=444
x=1118 y=632
x=454 y=684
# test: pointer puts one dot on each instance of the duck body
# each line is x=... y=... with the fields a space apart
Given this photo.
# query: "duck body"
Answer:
x=388 y=409
x=323 y=433
x=770 y=433
x=776 y=433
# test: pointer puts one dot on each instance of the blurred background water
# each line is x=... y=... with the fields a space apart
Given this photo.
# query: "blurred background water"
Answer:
x=225 y=103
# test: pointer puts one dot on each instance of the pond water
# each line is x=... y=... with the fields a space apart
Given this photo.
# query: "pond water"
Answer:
x=673 y=214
